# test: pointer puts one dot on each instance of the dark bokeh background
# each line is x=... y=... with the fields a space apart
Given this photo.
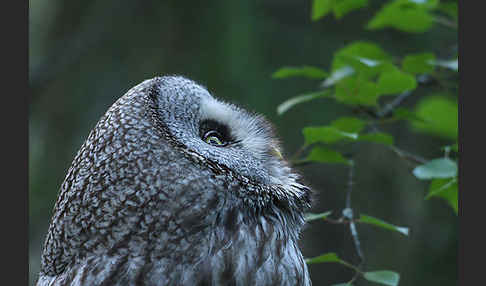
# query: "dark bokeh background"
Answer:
x=83 y=55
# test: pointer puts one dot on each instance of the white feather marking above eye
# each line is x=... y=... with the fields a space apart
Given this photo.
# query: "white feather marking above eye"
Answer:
x=255 y=135
x=248 y=129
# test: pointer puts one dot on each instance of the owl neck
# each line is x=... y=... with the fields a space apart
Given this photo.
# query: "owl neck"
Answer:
x=255 y=251
x=239 y=248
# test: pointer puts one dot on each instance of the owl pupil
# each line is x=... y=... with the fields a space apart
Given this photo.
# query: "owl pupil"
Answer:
x=214 y=133
x=213 y=138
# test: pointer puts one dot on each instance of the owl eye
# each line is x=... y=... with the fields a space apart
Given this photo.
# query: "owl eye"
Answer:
x=214 y=133
x=214 y=138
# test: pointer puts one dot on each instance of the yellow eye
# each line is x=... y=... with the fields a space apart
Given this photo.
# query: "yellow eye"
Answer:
x=213 y=138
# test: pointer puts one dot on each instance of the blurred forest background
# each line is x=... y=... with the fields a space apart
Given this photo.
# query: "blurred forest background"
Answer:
x=83 y=55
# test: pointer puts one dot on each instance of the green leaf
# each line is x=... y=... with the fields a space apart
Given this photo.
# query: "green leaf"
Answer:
x=418 y=63
x=338 y=75
x=365 y=68
x=304 y=71
x=436 y=169
x=403 y=113
x=384 y=277
x=438 y=186
x=321 y=8
x=404 y=15
x=368 y=62
x=312 y=216
x=342 y=284
x=328 y=257
x=383 y=224
x=286 y=105
x=356 y=91
x=395 y=82
x=355 y=51
x=377 y=137
x=342 y=7
x=324 y=155
x=439 y=114
x=349 y=124
x=446 y=189
x=427 y=4
x=326 y=134
x=368 y=50
x=343 y=128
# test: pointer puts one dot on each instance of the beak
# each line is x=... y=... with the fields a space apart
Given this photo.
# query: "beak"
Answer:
x=275 y=152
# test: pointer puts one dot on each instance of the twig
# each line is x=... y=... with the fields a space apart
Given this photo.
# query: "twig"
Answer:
x=392 y=105
x=401 y=153
x=408 y=156
x=296 y=155
x=348 y=213
x=300 y=163
x=350 y=184
x=416 y=159
x=446 y=22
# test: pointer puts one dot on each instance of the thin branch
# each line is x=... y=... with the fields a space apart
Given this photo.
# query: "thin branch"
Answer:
x=348 y=213
x=401 y=153
x=350 y=184
x=357 y=243
x=394 y=104
x=408 y=156
x=412 y=158
x=355 y=268
x=447 y=151
x=446 y=22
x=356 y=275
x=300 y=163
x=294 y=158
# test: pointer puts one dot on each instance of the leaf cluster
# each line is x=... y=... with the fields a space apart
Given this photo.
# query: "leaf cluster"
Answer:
x=374 y=82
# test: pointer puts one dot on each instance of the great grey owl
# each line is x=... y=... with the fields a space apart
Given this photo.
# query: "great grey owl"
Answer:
x=175 y=187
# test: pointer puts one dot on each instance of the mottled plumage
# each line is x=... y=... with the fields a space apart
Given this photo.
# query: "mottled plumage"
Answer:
x=149 y=201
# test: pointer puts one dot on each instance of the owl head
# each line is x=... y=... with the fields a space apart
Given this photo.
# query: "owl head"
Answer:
x=227 y=138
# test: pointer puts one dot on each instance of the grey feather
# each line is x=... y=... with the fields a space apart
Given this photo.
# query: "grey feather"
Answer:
x=147 y=201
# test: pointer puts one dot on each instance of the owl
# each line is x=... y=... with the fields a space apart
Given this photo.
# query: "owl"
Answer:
x=176 y=187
